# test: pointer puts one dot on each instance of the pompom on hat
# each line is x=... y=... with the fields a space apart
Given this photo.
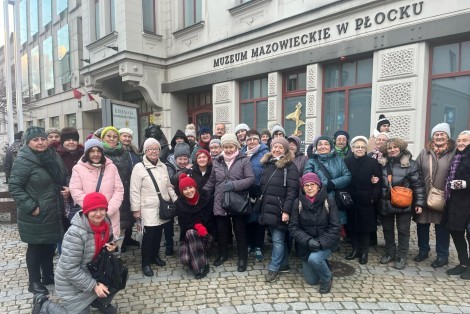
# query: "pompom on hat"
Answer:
x=190 y=130
x=94 y=201
x=185 y=181
x=382 y=120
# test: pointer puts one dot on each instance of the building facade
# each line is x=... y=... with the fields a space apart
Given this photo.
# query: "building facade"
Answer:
x=313 y=66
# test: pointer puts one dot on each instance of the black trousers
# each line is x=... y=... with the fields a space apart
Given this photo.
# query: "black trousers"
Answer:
x=360 y=241
x=239 y=228
x=403 y=228
x=39 y=256
x=169 y=230
x=151 y=243
x=462 y=246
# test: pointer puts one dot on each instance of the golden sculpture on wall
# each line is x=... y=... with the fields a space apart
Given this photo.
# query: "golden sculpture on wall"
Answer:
x=295 y=116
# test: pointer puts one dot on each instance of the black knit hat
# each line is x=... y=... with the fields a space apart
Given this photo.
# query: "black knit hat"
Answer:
x=382 y=120
x=32 y=132
x=323 y=138
x=69 y=133
x=341 y=132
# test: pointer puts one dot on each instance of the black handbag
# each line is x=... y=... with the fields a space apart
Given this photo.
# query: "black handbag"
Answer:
x=167 y=210
x=236 y=203
x=76 y=208
x=109 y=270
x=343 y=199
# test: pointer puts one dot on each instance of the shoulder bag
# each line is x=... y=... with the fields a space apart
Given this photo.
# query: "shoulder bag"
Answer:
x=436 y=198
x=343 y=199
x=400 y=196
x=76 y=208
x=236 y=203
x=167 y=210
x=257 y=204
x=108 y=269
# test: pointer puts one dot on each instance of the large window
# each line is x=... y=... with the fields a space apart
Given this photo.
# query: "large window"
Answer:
x=35 y=75
x=24 y=75
x=112 y=15
x=61 y=6
x=450 y=87
x=23 y=22
x=347 y=97
x=48 y=63
x=148 y=8
x=192 y=12
x=54 y=122
x=254 y=103
x=294 y=91
x=46 y=12
x=33 y=17
x=71 y=120
x=63 y=54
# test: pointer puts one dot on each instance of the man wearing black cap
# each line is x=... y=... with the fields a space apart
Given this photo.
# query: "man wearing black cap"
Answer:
x=11 y=153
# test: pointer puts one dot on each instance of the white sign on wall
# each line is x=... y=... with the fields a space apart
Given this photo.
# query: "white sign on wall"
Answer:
x=126 y=117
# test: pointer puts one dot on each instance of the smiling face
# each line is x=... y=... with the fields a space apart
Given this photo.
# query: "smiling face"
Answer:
x=265 y=138
x=206 y=137
x=393 y=150
x=111 y=138
x=38 y=144
x=341 y=141
x=182 y=161
x=215 y=149
x=95 y=155
x=311 y=189
x=252 y=141
x=189 y=191
x=359 y=148
x=277 y=150
x=202 y=160
x=152 y=152
x=462 y=141
x=323 y=147
x=96 y=216
x=229 y=149
x=126 y=139
x=241 y=135
x=440 y=138
x=53 y=137
x=293 y=147
x=70 y=145
x=380 y=141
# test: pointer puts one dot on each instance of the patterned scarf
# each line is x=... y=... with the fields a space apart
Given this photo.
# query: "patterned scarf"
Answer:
x=451 y=173
x=251 y=152
x=376 y=153
x=439 y=150
x=341 y=152
x=100 y=240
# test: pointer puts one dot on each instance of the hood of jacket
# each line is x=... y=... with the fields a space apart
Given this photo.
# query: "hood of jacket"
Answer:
x=281 y=162
x=181 y=134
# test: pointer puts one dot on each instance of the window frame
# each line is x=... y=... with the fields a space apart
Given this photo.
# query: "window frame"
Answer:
x=154 y=18
x=194 y=11
x=252 y=100
x=292 y=94
x=346 y=90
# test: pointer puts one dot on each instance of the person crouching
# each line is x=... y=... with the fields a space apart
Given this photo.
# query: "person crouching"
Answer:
x=193 y=217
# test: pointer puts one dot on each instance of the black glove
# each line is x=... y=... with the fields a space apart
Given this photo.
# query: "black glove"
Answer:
x=228 y=186
x=314 y=245
x=330 y=186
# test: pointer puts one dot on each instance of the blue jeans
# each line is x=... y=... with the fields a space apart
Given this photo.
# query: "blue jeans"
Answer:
x=442 y=239
x=315 y=268
x=279 y=254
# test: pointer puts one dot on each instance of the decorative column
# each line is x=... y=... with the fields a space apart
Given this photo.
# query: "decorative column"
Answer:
x=399 y=91
x=225 y=100
x=274 y=99
x=313 y=101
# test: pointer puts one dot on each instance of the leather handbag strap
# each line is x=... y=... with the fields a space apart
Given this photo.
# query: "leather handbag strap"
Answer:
x=267 y=183
x=154 y=181
x=430 y=169
x=100 y=178
x=325 y=172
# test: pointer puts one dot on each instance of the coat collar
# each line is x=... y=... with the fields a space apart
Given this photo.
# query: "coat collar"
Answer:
x=282 y=162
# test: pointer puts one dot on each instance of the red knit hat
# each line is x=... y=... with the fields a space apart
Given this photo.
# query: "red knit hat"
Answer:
x=205 y=152
x=186 y=181
x=94 y=201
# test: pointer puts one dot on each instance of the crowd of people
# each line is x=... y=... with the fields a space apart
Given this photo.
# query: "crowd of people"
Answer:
x=69 y=195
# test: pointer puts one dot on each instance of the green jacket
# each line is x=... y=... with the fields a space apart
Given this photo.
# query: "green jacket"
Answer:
x=32 y=186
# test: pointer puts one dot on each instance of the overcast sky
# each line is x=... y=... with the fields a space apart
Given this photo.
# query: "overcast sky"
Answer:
x=2 y=25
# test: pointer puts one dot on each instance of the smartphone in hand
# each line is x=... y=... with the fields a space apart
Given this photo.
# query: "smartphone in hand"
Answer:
x=116 y=240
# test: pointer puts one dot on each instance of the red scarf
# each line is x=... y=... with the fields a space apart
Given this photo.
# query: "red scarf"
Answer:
x=193 y=200
x=100 y=240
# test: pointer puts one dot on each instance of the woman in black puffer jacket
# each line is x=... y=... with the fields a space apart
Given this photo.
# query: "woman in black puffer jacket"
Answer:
x=397 y=159
x=278 y=200
x=315 y=226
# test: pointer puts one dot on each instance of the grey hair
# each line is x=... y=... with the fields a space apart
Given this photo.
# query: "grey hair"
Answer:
x=466 y=132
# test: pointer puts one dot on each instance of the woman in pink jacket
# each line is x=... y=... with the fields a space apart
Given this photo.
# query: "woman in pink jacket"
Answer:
x=85 y=175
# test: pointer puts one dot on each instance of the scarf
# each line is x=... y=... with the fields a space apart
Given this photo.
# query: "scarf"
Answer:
x=254 y=150
x=452 y=170
x=341 y=152
x=439 y=150
x=101 y=234
x=311 y=199
x=49 y=162
x=118 y=147
x=193 y=201
x=229 y=159
x=376 y=153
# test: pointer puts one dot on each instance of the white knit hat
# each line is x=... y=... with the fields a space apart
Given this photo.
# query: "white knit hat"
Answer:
x=190 y=130
x=441 y=127
x=150 y=141
x=241 y=126
x=126 y=130
x=229 y=138
x=360 y=137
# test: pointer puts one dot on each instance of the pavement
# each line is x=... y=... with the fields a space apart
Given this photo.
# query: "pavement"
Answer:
x=372 y=288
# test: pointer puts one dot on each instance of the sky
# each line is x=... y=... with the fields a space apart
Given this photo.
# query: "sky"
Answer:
x=2 y=24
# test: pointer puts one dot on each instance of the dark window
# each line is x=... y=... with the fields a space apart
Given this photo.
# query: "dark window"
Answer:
x=254 y=103
x=294 y=92
x=148 y=7
x=192 y=12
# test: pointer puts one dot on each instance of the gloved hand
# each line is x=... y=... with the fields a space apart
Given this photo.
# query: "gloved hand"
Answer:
x=314 y=245
x=228 y=186
x=330 y=186
x=458 y=184
x=201 y=230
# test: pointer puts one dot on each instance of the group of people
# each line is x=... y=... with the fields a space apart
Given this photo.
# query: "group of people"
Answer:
x=99 y=191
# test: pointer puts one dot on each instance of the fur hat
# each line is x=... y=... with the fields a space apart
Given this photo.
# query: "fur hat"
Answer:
x=150 y=141
x=32 y=132
x=182 y=149
x=382 y=120
x=185 y=181
x=53 y=130
x=69 y=134
x=190 y=130
x=204 y=129
x=241 y=126
x=360 y=137
x=310 y=177
x=107 y=129
x=278 y=128
x=281 y=140
x=94 y=200
x=126 y=130
x=229 y=138
x=441 y=127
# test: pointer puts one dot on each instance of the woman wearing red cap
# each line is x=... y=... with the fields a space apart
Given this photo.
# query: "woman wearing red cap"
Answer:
x=90 y=231
x=193 y=218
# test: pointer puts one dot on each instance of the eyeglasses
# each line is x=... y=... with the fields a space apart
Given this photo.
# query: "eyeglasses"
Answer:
x=309 y=185
x=360 y=147
x=252 y=139
x=153 y=149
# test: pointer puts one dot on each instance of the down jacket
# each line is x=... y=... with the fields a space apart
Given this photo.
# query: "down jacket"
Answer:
x=439 y=171
x=456 y=215
x=405 y=172
x=32 y=186
x=281 y=191
x=313 y=220
x=73 y=281
x=335 y=165
x=144 y=197
x=84 y=180
x=240 y=174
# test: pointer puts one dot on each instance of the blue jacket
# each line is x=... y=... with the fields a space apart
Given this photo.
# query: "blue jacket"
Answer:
x=341 y=177
x=255 y=161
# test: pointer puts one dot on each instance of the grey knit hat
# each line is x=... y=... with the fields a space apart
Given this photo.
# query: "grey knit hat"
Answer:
x=182 y=149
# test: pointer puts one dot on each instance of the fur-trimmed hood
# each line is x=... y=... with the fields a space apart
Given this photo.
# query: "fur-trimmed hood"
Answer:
x=404 y=159
x=451 y=146
x=282 y=162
